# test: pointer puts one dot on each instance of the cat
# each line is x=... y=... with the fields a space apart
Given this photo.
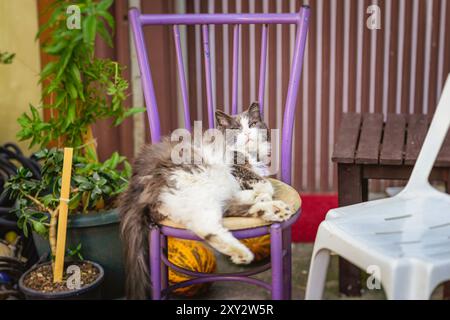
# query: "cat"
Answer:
x=198 y=195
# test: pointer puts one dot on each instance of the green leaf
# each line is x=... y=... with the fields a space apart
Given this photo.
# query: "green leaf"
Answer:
x=48 y=69
x=75 y=201
x=65 y=60
x=75 y=71
x=72 y=90
x=47 y=199
x=56 y=47
x=134 y=110
x=6 y=58
x=60 y=99
x=104 y=4
x=88 y=186
x=127 y=170
x=39 y=228
x=25 y=229
x=113 y=161
x=24 y=120
x=80 y=179
x=108 y=18
x=89 y=29
x=71 y=112
x=34 y=112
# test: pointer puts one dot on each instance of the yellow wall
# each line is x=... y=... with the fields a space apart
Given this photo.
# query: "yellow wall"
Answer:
x=18 y=81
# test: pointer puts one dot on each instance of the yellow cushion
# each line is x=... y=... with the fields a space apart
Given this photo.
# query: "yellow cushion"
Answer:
x=283 y=192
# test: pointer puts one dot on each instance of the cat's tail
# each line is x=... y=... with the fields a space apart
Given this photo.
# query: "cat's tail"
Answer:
x=134 y=229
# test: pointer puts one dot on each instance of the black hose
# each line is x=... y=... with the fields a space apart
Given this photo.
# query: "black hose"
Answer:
x=29 y=163
x=11 y=157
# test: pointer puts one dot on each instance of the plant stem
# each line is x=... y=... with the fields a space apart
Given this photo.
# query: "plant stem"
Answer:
x=37 y=202
x=52 y=233
x=89 y=144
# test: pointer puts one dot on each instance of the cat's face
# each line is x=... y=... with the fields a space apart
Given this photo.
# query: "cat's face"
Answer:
x=247 y=126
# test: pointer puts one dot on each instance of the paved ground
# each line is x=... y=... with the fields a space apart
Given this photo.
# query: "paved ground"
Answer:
x=301 y=258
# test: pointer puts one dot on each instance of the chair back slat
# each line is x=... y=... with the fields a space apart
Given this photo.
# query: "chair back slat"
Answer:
x=300 y=19
x=291 y=98
x=182 y=77
x=433 y=142
x=235 y=81
x=262 y=68
x=146 y=76
x=207 y=57
x=220 y=18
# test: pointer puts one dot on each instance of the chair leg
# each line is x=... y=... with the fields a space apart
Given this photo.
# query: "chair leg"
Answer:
x=399 y=293
x=155 y=262
x=276 y=256
x=164 y=268
x=446 y=293
x=398 y=285
x=317 y=275
x=287 y=264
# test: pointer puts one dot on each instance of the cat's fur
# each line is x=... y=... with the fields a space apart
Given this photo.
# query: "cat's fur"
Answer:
x=197 y=196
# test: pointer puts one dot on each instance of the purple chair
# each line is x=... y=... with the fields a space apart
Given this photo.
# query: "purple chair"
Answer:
x=280 y=232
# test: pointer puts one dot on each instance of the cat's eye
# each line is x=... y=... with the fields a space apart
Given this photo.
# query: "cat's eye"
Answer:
x=254 y=123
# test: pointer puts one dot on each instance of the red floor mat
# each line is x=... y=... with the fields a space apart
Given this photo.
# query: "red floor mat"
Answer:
x=314 y=209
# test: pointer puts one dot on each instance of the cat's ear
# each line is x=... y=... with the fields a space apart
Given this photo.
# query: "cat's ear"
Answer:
x=254 y=112
x=223 y=119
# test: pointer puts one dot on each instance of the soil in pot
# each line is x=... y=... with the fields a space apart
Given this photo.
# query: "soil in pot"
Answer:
x=41 y=279
x=37 y=283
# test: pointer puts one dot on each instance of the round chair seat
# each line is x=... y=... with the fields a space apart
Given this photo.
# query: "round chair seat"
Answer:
x=282 y=191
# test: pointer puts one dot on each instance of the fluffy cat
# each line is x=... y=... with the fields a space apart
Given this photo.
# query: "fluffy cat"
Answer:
x=197 y=195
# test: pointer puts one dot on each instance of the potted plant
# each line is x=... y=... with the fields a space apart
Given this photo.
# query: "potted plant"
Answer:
x=78 y=89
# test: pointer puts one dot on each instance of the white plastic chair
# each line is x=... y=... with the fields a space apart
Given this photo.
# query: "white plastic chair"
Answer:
x=407 y=237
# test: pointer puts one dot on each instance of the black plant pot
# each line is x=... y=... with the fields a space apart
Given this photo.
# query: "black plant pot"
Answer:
x=89 y=292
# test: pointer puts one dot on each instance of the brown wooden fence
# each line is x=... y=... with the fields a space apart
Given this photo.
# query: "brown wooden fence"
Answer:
x=399 y=68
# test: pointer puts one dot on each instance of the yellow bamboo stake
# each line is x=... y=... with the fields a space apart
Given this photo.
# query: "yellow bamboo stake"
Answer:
x=62 y=216
x=90 y=144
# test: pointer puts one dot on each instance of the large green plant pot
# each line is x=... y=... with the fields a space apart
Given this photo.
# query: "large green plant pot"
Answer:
x=98 y=232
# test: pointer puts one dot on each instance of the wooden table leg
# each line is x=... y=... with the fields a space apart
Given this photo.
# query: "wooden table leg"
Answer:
x=352 y=188
x=446 y=295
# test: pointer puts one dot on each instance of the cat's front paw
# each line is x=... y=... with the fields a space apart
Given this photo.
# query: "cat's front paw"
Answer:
x=242 y=257
x=273 y=211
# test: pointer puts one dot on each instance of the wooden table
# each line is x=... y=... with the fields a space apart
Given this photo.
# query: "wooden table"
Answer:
x=369 y=148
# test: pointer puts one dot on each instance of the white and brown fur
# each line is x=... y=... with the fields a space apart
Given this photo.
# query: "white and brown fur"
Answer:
x=197 y=196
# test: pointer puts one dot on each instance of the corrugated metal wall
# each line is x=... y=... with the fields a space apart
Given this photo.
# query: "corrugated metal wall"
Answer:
x=348 y=67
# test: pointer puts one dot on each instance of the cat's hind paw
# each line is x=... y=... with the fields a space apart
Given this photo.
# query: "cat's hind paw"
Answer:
x=273 y=211
x=242 y=257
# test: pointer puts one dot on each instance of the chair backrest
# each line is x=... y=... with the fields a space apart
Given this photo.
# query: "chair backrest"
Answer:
x=300 y=19
x=433 y=142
